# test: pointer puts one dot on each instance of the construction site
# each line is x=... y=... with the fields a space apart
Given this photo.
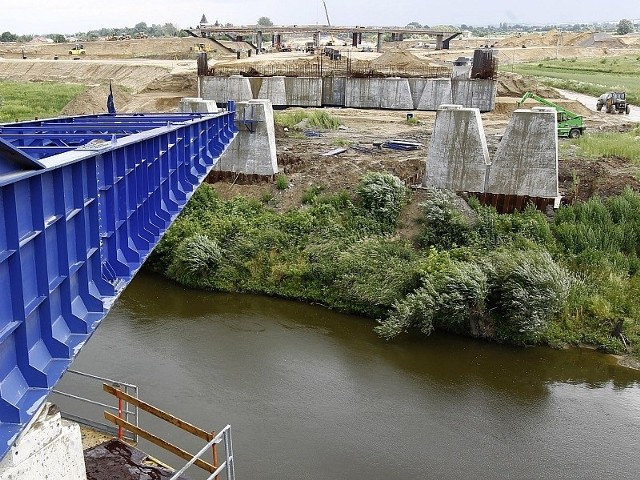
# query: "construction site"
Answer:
x=436 y=109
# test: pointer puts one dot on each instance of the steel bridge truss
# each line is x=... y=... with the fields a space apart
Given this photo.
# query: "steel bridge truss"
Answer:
x=83 y=201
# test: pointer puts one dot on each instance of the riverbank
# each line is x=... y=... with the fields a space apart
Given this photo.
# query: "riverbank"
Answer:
x=424 y=260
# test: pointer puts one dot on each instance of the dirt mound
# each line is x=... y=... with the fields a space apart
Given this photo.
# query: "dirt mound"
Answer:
x=94 y=100
x=398 y=58
x=515 y=85
x=174 y=82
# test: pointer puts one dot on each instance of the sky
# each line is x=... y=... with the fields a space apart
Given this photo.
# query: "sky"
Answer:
x=68 y=17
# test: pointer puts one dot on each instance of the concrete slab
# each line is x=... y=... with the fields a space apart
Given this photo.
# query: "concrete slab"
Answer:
x=48 y=448
x=396 y=94
x=458 y=156
x=273 y=89
x=334 y=91
x=223 y=89
x=303 y=91
x=253 y=150
x=197 y=105
x=474 y=93
x=363 y=92
x=526 y=162
x=436 y=92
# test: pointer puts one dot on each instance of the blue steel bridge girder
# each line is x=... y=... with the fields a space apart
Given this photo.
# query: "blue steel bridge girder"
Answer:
x=76 y=224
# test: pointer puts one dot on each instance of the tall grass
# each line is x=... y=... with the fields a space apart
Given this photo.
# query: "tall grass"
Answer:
x=24 y=101
x=610 y=145
x=309 y=118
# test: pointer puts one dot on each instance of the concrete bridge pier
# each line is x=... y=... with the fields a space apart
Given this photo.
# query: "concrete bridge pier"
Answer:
x=316 y=39
x=259 y=42
x=379 y=44
x=439 y=41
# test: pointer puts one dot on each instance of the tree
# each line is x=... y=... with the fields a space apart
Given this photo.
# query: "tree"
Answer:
x=8 y=37
x=57 y=38
x=265 y=22
x=625 y=26
x=414 y=25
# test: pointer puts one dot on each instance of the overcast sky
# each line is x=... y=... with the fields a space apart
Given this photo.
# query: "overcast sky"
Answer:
x=63 y=16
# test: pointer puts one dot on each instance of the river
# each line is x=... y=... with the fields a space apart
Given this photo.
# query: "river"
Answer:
x=315 y=394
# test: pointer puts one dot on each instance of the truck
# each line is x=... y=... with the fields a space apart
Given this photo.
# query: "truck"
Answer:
x=614 y=102
x=570 y=124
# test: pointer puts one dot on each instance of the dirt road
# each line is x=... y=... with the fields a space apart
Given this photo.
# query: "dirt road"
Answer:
x=590 y=102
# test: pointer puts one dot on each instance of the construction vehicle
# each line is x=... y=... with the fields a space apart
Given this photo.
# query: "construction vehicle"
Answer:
x=331 y=42
x=614 y=102
x=569 y=124
x=78 y=49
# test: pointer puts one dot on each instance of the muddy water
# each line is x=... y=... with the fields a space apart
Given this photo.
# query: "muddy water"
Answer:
x=313 y=394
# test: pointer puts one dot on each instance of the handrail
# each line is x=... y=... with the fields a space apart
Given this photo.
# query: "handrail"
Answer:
x=212 y=439
x=126 y=413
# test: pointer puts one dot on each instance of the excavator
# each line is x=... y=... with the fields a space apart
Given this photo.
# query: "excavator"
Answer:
x=569 y=124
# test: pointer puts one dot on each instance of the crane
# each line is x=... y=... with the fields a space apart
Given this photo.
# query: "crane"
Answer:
x=326 y=12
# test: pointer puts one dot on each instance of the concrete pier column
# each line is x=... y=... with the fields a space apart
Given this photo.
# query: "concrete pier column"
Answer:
x=354 y=39
x=259 y=42
x=253 y=150
x=316 y=39
x=379 y=45
x=439 y=41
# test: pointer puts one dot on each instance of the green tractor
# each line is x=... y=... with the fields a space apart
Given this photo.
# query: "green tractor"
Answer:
x=569 y=124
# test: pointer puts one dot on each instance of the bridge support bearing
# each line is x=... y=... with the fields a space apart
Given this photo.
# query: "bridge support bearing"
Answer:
x=48 y=448
x=253 y=151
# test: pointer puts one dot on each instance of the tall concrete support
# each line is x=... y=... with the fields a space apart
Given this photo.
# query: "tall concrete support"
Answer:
x=379 y=43
x=253 y=151
x=354 y=39
x=458 y=156
x=49 y=447
x=222 y=89
x=273 y=89
x=526 y=162
x=259 y=42
x=316 y=39
x=439 y=41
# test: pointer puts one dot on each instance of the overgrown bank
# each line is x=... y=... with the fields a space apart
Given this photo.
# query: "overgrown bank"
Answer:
x=516 y=278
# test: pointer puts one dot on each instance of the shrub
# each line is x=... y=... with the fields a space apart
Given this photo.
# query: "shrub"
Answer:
x=449 y=298
x=382 y=195
x=445 y=226
x=195 y=259
x=282 y=182
x=526 y=288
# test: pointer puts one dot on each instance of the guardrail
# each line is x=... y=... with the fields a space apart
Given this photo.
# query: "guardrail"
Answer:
x=123 y=408
x=212 y=438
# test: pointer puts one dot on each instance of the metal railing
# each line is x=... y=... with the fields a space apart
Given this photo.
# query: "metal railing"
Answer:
x=123 y=408
x=225 y=436
x=212 y=438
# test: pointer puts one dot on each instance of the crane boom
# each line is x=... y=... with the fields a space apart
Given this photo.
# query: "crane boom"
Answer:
x=326 y=12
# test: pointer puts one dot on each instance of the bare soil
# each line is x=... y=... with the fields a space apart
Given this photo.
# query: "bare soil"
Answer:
x=153 y=74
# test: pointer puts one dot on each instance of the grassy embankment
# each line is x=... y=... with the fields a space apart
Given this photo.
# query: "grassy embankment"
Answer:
x=25 y=101
x=589 y=76
x=518 y=278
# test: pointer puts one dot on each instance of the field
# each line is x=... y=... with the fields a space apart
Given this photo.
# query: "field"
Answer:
x=24 y=101
x=590 y=76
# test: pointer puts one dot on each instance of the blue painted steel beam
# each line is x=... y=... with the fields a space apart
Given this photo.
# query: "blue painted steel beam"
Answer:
x=76 y=226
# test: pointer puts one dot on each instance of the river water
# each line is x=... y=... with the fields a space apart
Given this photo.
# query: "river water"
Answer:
x=314 y=394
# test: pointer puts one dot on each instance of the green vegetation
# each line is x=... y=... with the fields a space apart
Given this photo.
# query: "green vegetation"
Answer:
x=25 y=101
x=282 y=182
x=308 y=118
x=518 y=278
x=606 y=145
x=588 y=76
